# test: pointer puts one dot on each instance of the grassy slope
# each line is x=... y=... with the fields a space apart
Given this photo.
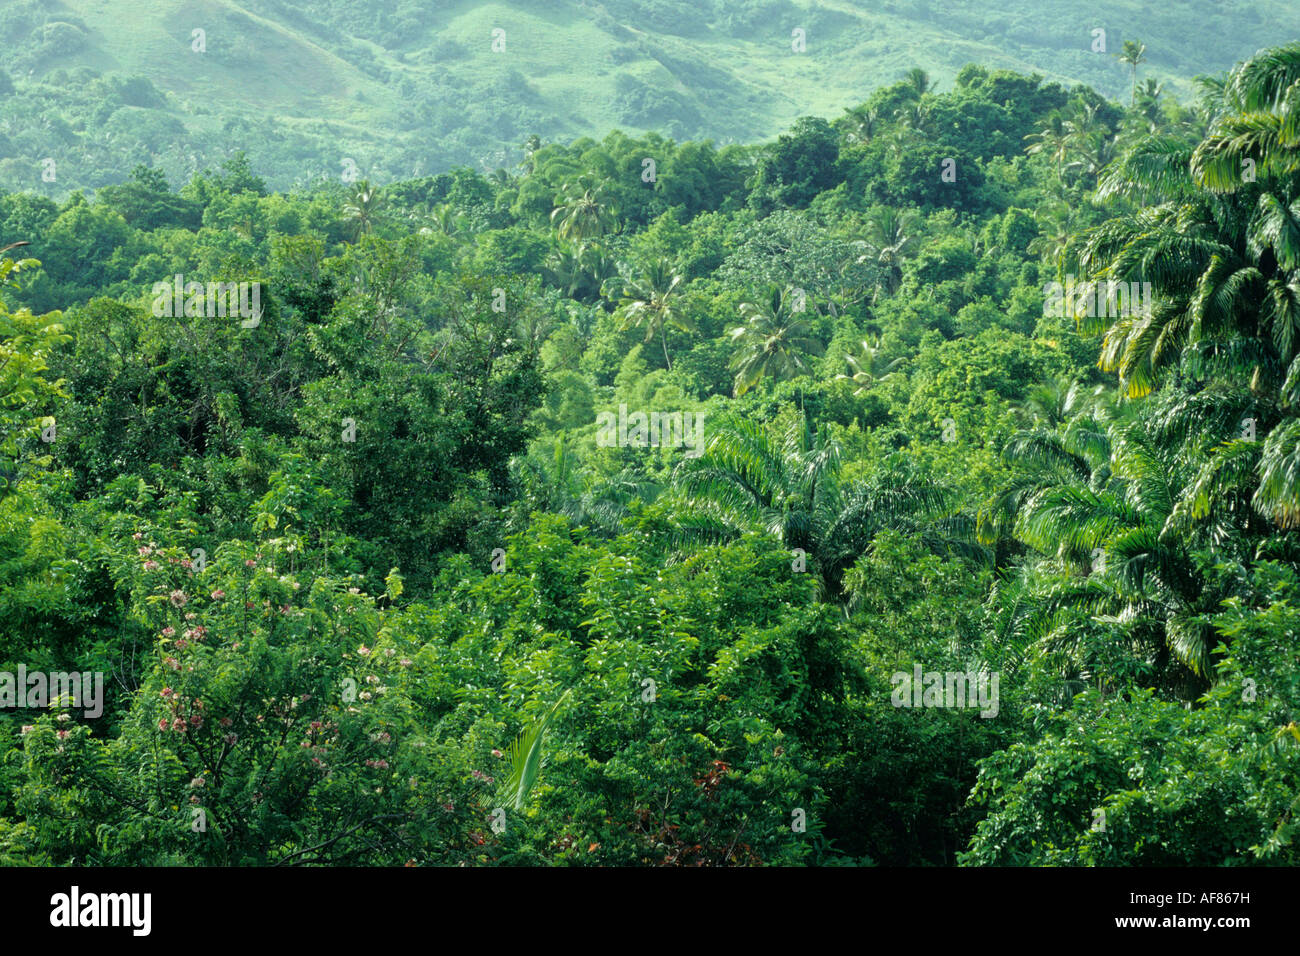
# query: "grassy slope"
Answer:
x=289 y=76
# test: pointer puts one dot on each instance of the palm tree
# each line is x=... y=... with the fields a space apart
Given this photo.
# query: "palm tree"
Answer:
x=915 y=116
x=1055 y=402
x=758 y=479
x=891 y=234
x=772 y=341
x=1055 y=233
x=1219 y=240
x=1213 y=90
x=1150 y=93
x=860 y=124
x=1223 y=259
x=560 y=485
x=1053 y=451
x=1093 y=155
x=1264 y=98
x=1137 y=125
x=363 y=208
x=1088 y=139
x=1132 y=55
x=581 y=270
x=1127 y=514
x=563 y=270
x=918 y=82
x=1096 y=504
x=582 y=215
x=868 y=368
x=1053 y=140
x=597 y=266
x=530 y=147
x=447 y=219
x=1278 y=494
x=1151 y=89
x=653 y=299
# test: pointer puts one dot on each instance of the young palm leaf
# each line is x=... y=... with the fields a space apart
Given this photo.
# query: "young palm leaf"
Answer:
x=527 y=758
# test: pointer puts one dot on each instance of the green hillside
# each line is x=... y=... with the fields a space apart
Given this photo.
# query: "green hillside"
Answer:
x=406 y=88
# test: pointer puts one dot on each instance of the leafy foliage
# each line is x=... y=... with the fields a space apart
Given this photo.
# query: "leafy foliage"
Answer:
x=373 y=581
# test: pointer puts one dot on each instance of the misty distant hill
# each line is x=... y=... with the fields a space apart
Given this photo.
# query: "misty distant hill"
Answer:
x=410 y=87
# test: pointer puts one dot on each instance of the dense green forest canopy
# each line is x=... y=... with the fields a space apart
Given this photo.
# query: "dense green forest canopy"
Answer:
x=417 y=560
x=405 y=88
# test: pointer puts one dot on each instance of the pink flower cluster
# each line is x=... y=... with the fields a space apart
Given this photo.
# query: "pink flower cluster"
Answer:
x=180 y=721
x=146 y=552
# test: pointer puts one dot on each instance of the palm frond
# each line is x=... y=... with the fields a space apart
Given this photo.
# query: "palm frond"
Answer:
x=527 y=758
x=1278 y=495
